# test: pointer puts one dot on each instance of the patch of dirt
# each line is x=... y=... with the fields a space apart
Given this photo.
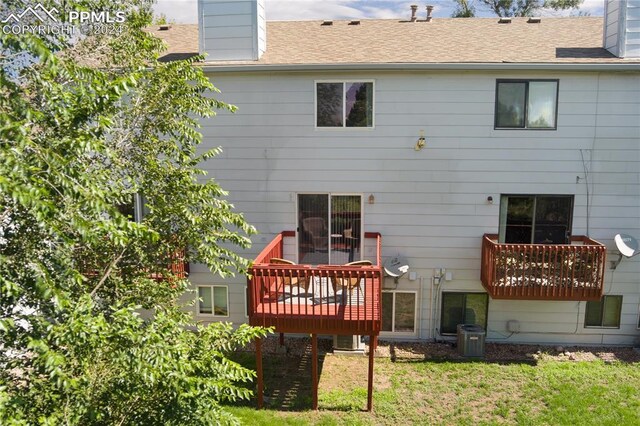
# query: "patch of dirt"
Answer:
x=494 y=352
x=502 y=352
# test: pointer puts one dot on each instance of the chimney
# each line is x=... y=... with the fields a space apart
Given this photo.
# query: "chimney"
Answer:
x=622 y=28
x=232 y=30
x=414 y=10
x=429 y=10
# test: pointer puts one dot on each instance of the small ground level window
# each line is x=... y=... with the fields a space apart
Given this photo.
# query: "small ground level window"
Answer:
x=463 y=308
x=604 y=313
x=399 y=311
x=213 y=300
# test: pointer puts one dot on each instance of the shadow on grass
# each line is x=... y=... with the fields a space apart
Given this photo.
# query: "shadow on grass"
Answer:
x=287 y=380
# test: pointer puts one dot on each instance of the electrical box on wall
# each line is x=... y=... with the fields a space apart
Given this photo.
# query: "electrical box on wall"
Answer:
x=513 y=326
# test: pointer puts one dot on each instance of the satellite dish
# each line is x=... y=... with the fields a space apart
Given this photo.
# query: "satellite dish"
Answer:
x=396 y=267
x=627 y=245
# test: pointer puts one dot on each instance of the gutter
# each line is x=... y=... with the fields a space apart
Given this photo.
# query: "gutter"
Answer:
x=519 y=66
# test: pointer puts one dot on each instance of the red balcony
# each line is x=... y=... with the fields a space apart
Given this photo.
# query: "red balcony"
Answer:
x=323 y=299
x=177 y=264
x=543 y=271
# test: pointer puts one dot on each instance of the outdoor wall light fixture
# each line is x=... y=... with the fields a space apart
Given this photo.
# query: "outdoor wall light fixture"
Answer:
x=421 y=141
x=372 y=199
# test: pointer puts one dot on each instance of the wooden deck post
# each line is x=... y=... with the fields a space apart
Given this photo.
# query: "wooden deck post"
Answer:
x=259 y=371
x=314 y=370
x=373 y=343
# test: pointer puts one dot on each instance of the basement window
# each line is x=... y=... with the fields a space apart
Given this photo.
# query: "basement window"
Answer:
x=399 y=312
x=213 y=300
x=604 y=312
x=344 y=104
x=526 y=104
x=463 y=308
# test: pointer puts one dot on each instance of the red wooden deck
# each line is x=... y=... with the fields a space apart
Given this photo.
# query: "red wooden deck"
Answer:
x=348 y=314
x=323 y=299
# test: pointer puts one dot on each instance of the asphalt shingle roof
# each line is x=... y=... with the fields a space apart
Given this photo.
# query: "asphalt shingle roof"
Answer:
x=443 y=40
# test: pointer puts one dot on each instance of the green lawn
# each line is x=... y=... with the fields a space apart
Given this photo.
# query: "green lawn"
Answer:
x=548 y=392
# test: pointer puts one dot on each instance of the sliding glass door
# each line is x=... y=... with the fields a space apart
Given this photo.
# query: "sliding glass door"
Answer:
x=329 y=228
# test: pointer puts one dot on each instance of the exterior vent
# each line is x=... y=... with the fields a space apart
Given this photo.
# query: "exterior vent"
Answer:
x=354 y=23
x=327 y=23
x=534 y=20
x=164 y=28
x=414 y=10
x=504 y=21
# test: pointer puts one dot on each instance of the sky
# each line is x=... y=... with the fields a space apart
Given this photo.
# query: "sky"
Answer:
x=185 y=11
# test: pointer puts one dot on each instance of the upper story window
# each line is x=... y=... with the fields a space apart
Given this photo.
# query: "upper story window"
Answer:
x=536 y=219
x=526 y=104
x=344 y=104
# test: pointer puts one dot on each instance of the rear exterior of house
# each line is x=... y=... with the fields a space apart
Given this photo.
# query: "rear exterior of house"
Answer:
x=499 y=168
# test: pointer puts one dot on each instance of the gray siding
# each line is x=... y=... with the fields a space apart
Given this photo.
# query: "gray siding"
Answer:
x=431 y=205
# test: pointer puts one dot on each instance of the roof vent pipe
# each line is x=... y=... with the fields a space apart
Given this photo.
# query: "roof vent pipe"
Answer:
x=429 y=10
x=414 y=10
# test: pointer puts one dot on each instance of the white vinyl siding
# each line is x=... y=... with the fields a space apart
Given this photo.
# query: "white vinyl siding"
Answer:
x=431 y=206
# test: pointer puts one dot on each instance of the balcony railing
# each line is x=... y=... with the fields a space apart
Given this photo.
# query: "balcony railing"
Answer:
x=543 y=271
x=324 y=299
x=177 y=264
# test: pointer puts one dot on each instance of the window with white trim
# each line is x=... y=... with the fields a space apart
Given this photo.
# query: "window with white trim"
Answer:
x=463 y=308
x=526 y=104
x=246 y=301
x=604 y=312
x=213 y=300
x=399 y=311
x=344 y=104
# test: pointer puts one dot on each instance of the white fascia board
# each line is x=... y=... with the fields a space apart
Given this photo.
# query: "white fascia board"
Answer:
x=631 y=66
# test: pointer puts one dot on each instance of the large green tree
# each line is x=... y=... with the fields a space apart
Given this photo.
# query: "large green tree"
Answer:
x=513 y=8
x=91 y=331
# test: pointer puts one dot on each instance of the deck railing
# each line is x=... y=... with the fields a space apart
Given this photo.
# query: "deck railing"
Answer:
x=331 y=299
x=543 y=271
x=177 y=264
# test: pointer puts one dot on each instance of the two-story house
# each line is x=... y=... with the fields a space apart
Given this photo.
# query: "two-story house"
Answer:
x=487 y=163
